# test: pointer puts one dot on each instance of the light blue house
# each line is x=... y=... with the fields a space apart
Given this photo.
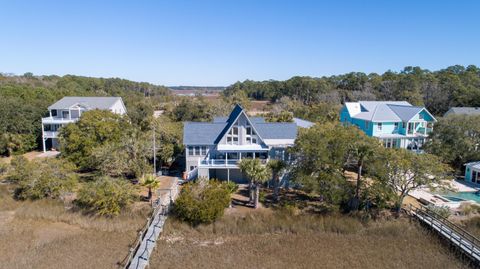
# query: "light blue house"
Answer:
x=472 y=172
x=397 y=123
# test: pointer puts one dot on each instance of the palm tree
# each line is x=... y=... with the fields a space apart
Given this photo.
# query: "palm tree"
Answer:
x=277 y=166
x=256 y=173
x=151 y=182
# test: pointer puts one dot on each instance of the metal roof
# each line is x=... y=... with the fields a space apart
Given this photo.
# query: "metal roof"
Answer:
x=464 y=111
x=89 y=102
x=383 y=111
x=210 y=133
x=201 y=133
x=475 y=165
x=303 y=123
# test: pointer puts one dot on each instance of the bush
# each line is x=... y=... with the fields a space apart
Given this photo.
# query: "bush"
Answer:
x=202 y=202
x=3 y=168
x=443 y=211
x=105 y=196
x=48 y=178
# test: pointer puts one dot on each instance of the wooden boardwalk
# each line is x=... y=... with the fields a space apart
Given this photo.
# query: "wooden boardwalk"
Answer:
x=456 y=235
x=141 y=250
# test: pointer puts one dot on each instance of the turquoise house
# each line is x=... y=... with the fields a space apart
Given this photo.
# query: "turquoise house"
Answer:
x=397 y=124
x=472 y=172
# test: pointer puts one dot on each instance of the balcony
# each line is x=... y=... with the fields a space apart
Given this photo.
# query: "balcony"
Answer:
x=50 y=134
x=223 y=163
x=58 y=120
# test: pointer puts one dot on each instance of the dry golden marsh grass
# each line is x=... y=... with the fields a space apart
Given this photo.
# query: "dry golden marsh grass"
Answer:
x=43 y=234
x=281 y=240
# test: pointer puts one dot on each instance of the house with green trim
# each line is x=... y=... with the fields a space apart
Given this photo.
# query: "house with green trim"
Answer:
x=397 y=124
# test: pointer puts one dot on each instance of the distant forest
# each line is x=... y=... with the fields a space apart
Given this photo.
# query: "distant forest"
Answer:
x=436 y=90
x=197 y=88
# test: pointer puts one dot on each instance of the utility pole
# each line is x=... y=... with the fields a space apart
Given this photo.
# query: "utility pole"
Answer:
x=154 y=153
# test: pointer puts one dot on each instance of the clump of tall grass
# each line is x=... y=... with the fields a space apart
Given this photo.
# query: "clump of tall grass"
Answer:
x=55 y=211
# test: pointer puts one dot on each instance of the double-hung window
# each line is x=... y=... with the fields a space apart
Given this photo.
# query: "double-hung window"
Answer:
x=379 y=126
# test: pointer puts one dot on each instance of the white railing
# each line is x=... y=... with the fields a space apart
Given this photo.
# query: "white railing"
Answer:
x=58 y=120
x=223 y=162
x=50 y=134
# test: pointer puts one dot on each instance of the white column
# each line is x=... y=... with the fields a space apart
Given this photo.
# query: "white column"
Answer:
x=226 y=158
x=228 y=175
x=69 y=114
x=43 y=138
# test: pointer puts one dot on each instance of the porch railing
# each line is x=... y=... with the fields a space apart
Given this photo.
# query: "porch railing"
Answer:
x=223 y=162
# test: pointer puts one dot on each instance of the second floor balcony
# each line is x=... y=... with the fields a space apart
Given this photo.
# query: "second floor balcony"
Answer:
x=58 y=120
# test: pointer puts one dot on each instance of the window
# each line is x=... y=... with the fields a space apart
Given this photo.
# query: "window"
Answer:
x=249 y=130
x=379 y=126
x=420 y=116
x=192 y=167
x=235 y=130
x=232 y=136
x=403 y=125
x=229 y=139
x=249 y=140
x=396 y=125
x=197 y=150
x=254 y=141
x=204 y=150
x=366 y=125
x=190 y=151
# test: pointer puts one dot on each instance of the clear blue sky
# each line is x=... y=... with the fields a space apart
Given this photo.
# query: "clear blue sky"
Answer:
x=221 y=42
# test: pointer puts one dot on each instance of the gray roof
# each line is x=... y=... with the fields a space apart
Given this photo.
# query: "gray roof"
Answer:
x=210 y=133
x=464 y=111
x=89 y=102
x=405 y=113
x=277 y=130
x=303 y=123
x=381 y=111
x=201 y=133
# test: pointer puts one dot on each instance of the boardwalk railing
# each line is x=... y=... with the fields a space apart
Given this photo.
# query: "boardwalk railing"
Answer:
x=456 y=235
x=125 y=263
x=160 y=208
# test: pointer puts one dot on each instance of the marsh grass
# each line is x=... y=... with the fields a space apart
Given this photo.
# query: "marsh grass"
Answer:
x=44 y=234
x=267 y=239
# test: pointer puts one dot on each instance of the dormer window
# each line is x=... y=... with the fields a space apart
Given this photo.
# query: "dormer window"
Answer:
x=420 y=116
x=379 y=126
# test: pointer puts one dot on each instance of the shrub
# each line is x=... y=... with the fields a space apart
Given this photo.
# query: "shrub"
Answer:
x=105 y=196
x=443 y=211
x=3 y=168
x=202 y=202
x=47 y=178
x=231 y=186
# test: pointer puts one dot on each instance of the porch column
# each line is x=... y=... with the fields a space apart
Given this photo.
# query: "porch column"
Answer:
x=240 y=156
x=228 y=175
x=43 y=138
x=226 y=158
x=69 y=114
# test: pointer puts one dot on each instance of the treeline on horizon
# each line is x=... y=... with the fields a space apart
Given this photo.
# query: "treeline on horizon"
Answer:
x=436 y=90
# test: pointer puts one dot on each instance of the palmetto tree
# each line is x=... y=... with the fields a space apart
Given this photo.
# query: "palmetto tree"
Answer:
x=256 y=174
x=151 y=182
x=277 y=166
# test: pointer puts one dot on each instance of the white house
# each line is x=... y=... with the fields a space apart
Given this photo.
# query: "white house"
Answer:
x=214 y=149
x=69 y=109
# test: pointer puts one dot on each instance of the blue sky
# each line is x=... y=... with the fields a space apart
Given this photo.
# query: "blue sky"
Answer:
x=221 y=42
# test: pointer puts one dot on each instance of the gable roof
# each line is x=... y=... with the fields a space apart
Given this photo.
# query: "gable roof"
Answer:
x=201 y=133
x=464 y=111
x=383 y=111
x=474 y=165
x=88 y=102
x=210 y=133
